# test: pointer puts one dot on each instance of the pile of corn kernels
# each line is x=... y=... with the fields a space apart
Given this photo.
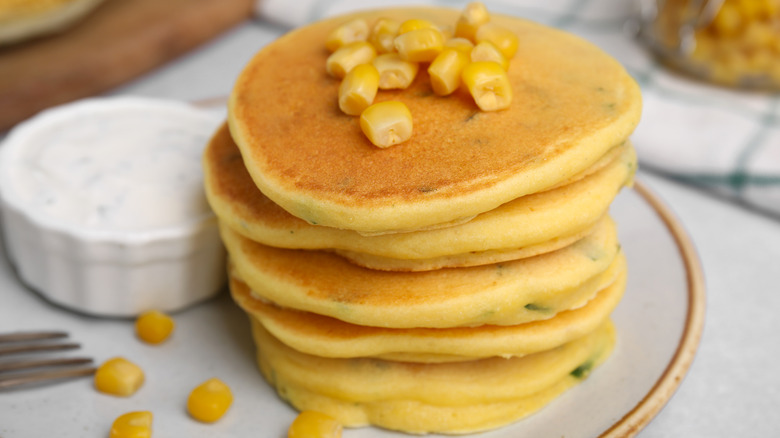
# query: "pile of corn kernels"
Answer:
x=739 y=44
x=387 y=55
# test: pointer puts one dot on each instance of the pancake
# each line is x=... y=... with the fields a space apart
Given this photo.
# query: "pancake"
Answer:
x=452 y=398
x=313 y=160
x=502 y=293
x=473 y=258
x=329 y=337
x=523 y=227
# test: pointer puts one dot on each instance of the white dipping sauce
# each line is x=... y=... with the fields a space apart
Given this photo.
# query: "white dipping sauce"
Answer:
x=111 y=164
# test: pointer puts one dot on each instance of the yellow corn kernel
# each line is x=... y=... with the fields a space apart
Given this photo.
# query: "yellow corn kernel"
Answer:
x=758 y=35
x=132 y=425
x=349 y=32
x=445 y=71
x=387 y=123
x=154 y=326
x=119 y=376
x=459 y=44
x=358 y=89
x=383 y=33
x=419 y=45
x=752 y=9
x=447 y=31
x=414 y=24
x=340 y=62
x=488 y=84
x=501 y=37
x=474 y=15
x=209 y=401
x=771 y=8
x=728 y=21
x=394 y=72
x=312 y=424
x=486 y=51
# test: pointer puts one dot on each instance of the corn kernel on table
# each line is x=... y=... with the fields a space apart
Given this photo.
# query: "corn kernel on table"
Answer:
x=731 y=389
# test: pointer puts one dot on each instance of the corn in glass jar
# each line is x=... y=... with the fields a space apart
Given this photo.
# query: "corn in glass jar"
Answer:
x=729 y=42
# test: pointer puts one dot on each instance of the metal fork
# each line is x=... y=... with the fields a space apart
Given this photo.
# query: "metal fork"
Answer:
x=26 y=370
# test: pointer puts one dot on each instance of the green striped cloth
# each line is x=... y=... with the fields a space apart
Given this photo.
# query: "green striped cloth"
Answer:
x=724 y=141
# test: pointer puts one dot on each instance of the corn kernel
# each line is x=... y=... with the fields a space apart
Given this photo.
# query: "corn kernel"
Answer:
x=445 y=71
x=340 y=62
x=383 y=33
x=119 y=376
x=387 y=123
x=728 y=21
x=132 y=425
x=501 y=37
x=312 y=424
x=474 y=15
x=419 y=45
x=447 y=31
x=394 y=72
x=154 y=326
x=486 y=51
x=751 y=9
x=414 y=24
x=209 y=401
x=358 y=89
x=771 y=8
x=488 y=84
x=350 y=32
x=459 y=44
x=758 y=35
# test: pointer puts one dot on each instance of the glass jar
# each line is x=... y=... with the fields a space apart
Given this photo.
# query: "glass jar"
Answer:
x=729 y=42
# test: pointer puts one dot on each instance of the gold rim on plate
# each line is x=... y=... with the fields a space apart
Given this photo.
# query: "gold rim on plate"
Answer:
x=663 y=389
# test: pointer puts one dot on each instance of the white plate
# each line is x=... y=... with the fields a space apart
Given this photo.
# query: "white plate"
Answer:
x=659 y=323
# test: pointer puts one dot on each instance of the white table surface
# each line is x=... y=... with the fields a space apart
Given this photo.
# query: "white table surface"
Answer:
x=733 y=386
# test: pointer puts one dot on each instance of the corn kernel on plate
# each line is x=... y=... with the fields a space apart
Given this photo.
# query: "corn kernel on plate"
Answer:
x=213 y=340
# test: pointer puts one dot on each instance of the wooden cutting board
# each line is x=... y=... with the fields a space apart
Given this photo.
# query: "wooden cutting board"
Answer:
x=118 y=41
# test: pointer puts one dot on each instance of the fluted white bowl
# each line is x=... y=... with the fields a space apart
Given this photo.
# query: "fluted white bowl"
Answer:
x=110 y=272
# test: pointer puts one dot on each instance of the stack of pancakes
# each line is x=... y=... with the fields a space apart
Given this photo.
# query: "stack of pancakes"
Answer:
x=453 y=283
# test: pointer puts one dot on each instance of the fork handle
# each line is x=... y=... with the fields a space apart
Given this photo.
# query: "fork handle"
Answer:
x=30 y=336
x=28 y=348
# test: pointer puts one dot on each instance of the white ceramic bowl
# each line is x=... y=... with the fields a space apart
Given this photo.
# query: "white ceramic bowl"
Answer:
x=158 y=249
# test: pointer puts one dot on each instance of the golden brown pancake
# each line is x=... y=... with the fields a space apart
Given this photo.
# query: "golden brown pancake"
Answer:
x=524 y=227
x=473 y=258
x=572 y=103
x=503 y=293
x=329 y=337
x=452 y=398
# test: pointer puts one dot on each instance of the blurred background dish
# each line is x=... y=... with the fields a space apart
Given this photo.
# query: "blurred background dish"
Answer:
x=118 y=42
x=728 y=42
x=23 y=19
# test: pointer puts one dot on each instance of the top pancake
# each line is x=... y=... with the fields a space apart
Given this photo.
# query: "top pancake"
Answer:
x=572 y=103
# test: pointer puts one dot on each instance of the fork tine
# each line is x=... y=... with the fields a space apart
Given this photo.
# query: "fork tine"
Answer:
x=29 y=348
x=30 y=364
x=38 y=377
x=31 y=342
x=30 y=336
